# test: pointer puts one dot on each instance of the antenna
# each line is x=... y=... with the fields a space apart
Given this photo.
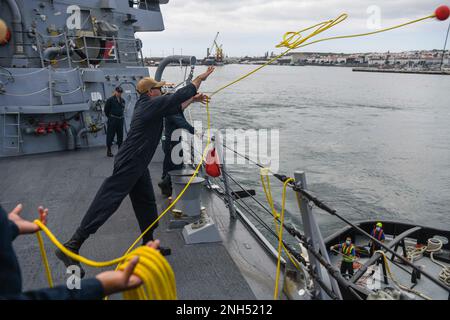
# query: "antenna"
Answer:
x=445 y=46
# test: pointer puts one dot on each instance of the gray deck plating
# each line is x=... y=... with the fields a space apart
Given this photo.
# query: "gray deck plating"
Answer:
x=67 y=182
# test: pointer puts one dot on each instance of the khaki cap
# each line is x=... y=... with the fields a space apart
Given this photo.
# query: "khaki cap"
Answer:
x=147 y=83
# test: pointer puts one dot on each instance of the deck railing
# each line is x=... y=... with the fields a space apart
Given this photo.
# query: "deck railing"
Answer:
x=109 y=50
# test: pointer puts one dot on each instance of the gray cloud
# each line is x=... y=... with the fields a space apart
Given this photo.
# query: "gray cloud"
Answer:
x=255 y=26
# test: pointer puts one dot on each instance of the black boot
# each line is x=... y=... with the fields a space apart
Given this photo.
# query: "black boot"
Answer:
x=165 y=251
x=166 y=186
x=109 y=153
x=73 y=245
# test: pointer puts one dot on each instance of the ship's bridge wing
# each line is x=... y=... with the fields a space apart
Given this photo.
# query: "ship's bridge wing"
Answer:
x=145 y=15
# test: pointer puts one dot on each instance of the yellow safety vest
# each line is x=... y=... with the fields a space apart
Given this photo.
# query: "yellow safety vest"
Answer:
x=347 y=251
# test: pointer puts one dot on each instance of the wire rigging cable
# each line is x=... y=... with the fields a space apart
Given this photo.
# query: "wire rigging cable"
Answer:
x=445 y=45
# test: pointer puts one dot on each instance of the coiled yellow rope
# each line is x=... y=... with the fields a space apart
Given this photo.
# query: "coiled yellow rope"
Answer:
x=153 y=269
x=156 y=274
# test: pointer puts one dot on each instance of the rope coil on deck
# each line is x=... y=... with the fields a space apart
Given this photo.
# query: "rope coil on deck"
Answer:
x=433 y=246
x=153 y=269
x=397 y=283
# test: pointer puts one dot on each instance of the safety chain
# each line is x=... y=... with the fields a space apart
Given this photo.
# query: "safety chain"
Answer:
x=191 y=75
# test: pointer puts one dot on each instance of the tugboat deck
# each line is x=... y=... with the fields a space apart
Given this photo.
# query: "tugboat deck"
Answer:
x=401 y=273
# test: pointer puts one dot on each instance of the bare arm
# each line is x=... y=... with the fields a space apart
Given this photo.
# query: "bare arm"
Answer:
x=187 y=103
x=202 y=98
x=203 y=77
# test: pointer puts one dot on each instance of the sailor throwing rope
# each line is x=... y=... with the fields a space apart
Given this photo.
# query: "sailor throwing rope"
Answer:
x=131 y=175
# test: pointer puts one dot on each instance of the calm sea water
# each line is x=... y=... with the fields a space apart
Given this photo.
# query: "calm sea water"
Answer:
x=374 y=146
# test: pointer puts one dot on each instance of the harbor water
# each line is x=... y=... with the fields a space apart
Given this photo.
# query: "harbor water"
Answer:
x=374 y=146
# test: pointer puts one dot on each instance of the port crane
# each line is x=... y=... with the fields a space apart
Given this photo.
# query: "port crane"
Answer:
x=215 y=52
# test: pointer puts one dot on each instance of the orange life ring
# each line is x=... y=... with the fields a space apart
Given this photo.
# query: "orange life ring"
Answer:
x=5 y=33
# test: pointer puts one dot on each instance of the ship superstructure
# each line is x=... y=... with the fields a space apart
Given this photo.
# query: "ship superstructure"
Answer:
x=61 y=62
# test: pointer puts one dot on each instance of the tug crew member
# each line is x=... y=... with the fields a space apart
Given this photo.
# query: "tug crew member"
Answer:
x=378 y=234
x=114 y=111
x=131 y=175
x=171 y=124
x=106 y=283
x=348 y=251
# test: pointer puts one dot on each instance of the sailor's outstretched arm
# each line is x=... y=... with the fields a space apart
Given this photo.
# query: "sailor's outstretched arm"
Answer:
x=203 y=77
x=187 y=103
x=200 y=97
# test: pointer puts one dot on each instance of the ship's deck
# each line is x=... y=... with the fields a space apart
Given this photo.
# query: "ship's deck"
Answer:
x=66 y=183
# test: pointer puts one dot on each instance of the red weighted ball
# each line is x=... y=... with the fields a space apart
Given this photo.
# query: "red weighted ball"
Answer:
x=442 y=13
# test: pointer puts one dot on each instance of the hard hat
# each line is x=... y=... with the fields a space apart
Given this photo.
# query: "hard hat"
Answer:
x=147 y=83
x=379 y=224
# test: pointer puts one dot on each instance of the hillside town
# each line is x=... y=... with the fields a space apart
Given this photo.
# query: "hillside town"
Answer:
x=420 y=59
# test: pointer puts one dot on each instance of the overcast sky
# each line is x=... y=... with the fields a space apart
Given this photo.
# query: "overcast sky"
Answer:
x=252 y=27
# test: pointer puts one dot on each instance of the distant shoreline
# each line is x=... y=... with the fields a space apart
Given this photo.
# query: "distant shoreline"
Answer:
x=355 y=68
x=433 y=72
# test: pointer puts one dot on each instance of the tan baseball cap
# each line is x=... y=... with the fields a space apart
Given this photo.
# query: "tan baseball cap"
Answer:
x=147 y=83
